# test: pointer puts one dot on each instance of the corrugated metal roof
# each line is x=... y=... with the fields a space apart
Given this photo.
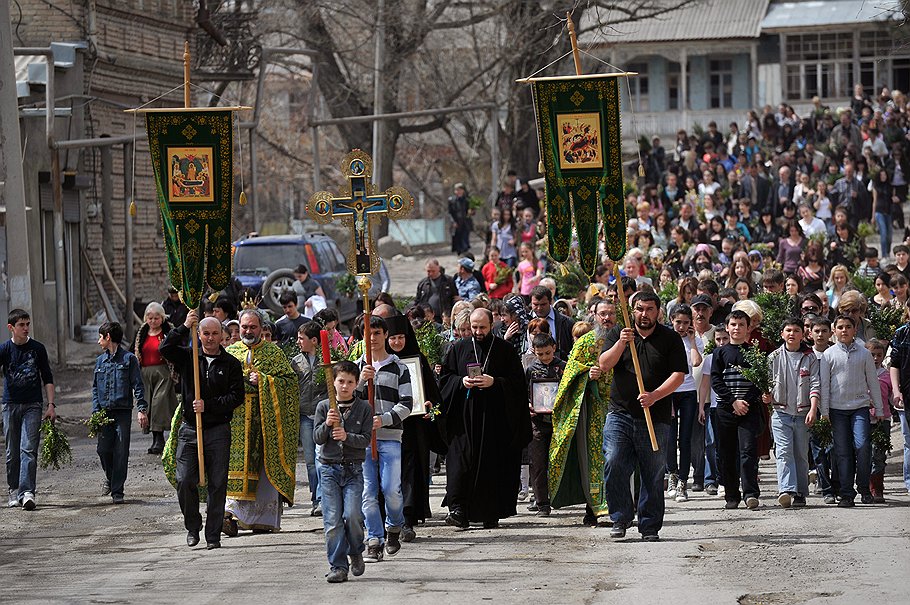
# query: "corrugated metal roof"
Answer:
x=707 y=20
x=787 y=15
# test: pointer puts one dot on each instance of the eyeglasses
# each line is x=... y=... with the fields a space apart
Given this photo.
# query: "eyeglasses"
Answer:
x=810 y=309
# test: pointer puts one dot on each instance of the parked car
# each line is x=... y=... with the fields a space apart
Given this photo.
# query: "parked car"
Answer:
x=264 y=266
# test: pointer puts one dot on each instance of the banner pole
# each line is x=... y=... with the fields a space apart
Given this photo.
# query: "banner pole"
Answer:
x=365 y=284
x=575 y=54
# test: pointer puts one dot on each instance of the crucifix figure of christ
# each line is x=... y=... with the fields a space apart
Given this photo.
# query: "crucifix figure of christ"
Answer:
x=358 y=207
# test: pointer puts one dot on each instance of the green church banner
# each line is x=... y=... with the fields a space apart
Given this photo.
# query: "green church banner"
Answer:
x=580 y=145
x=192 y=153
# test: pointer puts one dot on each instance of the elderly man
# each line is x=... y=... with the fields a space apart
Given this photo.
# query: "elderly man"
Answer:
x=220 y=392
x=485 y=411
x=467 y=285
x=663 y=367
x=437 y=289
x=264 y=436
x=576 y=456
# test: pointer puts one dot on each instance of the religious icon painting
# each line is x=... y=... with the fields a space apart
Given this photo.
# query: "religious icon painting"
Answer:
x=413 y=366
x=191 y=178
x=580 y=141
x=543 y=395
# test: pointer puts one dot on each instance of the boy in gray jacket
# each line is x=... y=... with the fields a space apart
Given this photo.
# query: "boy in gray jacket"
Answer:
x=344 y=435
x=796 y=400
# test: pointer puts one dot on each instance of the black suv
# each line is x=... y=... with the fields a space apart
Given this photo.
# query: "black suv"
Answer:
x=264 y=266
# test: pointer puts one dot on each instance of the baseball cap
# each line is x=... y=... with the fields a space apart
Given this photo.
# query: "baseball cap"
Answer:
x=702 y=299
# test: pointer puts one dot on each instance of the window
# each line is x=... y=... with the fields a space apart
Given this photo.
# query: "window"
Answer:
x=674 y=86
x=819 y=65
x=720 y=78
x=47 y=238
x=639 y=84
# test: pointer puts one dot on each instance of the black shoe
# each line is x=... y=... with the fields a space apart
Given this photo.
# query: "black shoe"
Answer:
x=456 y=519
x=846 y=503
x=731 y=504
x=491 y=524
x=192 y=538
x=229 y=526
x=213 y=545
x=698 y=487
x=618 y=530
x=544 y=511
x=799 y=501
x=867 y=499
x=357 y=564
x=589 y=520
x=336 y=576
x=117 y=498
x=392 y=543
x=408 y=534
x=650 y=538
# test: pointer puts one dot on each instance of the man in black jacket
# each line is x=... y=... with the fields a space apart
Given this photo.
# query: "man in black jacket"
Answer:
x=560 y=325
x=220 y=392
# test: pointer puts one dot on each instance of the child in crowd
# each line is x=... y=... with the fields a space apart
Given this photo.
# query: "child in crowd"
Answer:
x=548 y=368
x=707 y=414
x=685 y=407
x=796 y=400
x=344 y=434
x=880 y=455
x=328 y=319
x=739 y=416
x=117 y=380
x=823 y=457
x=854 y=378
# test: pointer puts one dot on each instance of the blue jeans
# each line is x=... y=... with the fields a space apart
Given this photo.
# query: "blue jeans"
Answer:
x=905 y=429
x=342 y=516
x=883 y=222
x=309 y=457
x=686 y=405
x=114 y=449
x=853 y=449
x=627 y=445
x=712 y=470
x=791 y=439
x=21 y=425
x=388 y=477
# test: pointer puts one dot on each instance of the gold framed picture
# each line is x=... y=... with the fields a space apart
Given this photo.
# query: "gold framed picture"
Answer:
x=580 y=141
x=543 y=396
x=191 y=174
x=417 y=404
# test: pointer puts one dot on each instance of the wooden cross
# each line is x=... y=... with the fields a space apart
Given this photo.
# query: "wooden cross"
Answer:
x=358 y=208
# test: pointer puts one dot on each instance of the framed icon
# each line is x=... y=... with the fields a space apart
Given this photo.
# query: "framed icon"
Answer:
x=580 y=141
x=417 y=391
x=191 y=174
x=543 y=395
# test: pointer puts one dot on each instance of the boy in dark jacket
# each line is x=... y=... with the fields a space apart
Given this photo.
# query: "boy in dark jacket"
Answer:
x=117 y=380
x=547 y=368
x=344 y=434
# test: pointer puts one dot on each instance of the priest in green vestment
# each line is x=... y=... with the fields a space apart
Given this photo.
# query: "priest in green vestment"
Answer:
x=264 y=433
x=576 y=470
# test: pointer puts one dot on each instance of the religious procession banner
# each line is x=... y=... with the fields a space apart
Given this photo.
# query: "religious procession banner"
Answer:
x=580 y=146
x=192 y=154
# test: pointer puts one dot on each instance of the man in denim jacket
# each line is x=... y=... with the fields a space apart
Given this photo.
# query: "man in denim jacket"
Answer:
x=116 y=382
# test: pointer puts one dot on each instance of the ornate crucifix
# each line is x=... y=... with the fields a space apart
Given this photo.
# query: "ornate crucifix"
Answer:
x=358 y=207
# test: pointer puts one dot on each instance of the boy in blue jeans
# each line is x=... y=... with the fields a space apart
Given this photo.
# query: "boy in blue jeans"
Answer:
x=344 y=435
x=116 y=382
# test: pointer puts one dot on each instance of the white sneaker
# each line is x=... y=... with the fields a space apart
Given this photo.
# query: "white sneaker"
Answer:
x=13 y=498
x=672 y=483
x=523 y=495
x=681 y=494
x=28 y=501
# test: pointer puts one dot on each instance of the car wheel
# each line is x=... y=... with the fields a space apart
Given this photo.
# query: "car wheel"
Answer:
x=275 y=284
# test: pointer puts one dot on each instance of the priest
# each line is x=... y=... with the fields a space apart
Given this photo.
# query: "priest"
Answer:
x=486 y=420
x=264 y=433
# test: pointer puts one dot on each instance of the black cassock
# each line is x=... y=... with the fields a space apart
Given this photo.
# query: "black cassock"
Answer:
x=486 y=429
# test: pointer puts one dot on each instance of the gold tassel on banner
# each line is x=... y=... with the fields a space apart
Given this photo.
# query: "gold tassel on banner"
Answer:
x=641 y=170
x=133 y=208
x=242 y=198
x=540 y=167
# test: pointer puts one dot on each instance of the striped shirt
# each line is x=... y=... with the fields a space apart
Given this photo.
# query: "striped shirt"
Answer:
x=393 y=399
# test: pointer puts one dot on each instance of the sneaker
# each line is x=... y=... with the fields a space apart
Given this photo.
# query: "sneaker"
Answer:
x=13 y=498
x=117 y=498
x=589 y=520
x=533 y=507
x=523 y=495
x=457 y=519
x=28 y=501
x=672 y=482
x=752 y=502
x=357 y=565
x=799 y=501
x=829 y=499
x=698 y=487
x=105 y=487
x=393 y=542
x=711 y=490
x=846 y=503
x=867 y=499
x=681 y=494
x=544 y=511
x=650 y=538
x=785 y=500
x=373 y=552
x=336 y=576
x=618 y=531
x=731 y=504
x=317 y=510
x=407 y=534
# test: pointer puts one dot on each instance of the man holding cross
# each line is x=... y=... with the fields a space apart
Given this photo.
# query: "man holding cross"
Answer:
x=626 y=441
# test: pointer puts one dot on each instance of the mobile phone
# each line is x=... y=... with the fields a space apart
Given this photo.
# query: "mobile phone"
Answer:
x=474 y=370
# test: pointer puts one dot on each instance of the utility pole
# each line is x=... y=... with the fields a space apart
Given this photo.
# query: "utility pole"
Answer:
x=378 y=126
x=13 y=192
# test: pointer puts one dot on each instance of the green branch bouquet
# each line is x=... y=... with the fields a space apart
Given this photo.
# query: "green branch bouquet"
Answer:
x=98 y=420
x=55 y=449
x=757 y=369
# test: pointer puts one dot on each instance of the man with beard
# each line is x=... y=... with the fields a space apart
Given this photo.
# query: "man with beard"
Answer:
x=576 y=456
x=663 y=365
x=485 y=411
x=264 y=436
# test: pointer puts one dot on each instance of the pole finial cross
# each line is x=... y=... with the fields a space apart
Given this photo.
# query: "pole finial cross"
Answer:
x=358 y=208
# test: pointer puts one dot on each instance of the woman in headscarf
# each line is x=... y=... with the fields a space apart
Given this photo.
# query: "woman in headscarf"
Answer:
x=420 y=433
x=156 y=374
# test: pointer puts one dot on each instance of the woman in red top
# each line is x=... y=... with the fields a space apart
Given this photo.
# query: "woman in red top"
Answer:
x=156 y=374
x=501 y=287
